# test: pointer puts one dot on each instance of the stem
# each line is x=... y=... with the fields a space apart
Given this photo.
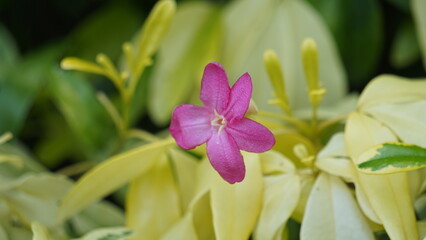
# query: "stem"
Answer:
x=314 y=122
x=112 y=111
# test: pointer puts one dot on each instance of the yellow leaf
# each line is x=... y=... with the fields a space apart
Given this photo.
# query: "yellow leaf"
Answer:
x=402 y=111
x=407 y=120
x=152 y=204
x=200 y=203
x=110 y=175
x=416 y=179
x=274 y=162
x=279 y=200
x=206 y=176
x=422 y=229
x=306 y=183
x=387 y=89
x=365 y=204
x=280 y=26
x=183 y=230
x=286 y=141
x=203 y=218
x=333 y=159
x=185 y=166
x=153 y=32
x=191 y=43
x=389 y=195
x=39 y=232
x=332 y=213
x=236 y=207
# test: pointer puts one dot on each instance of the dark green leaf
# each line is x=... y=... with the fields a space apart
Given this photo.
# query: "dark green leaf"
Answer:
x=20 y=85
x=105 y=32
x=392 y=157
x=358 y=29
x=81 y=109
x=405 y=48
x=403 y=5
x=8 y=51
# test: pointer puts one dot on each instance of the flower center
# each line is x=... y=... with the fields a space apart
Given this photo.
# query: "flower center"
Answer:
x=219 y=121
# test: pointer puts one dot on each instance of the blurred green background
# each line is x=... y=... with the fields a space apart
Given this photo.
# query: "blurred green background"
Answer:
x=372 y=37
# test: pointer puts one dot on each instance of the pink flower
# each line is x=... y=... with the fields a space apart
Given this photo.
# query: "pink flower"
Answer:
x=221 y=123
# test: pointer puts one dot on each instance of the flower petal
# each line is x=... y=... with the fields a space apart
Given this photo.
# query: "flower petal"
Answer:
x=251 y=136
x=225 y=157
x=239 y=99
x=190 y=125
x=215 y=87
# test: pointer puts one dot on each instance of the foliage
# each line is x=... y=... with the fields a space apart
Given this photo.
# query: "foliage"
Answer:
x=342 y=167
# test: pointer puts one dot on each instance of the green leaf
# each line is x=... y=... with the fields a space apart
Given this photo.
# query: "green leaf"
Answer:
x=391 y=158
x=110 y=175
x=20 y=85
x=8 y=51
x=35 y=197
x=364 y=19
x=81 y=109
x=418 y=8
x=104 y=31
x=58 y=142
x=18 y=151
x=3 y=234
x=405 y=47
x=117 y=233
x=403 y=5
x=98 y=215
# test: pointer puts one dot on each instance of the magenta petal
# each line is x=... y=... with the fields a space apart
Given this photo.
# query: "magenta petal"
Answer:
x=240 y=98
x=225 y=157
x=214 y=87
x=190 y=125
x=251 y=136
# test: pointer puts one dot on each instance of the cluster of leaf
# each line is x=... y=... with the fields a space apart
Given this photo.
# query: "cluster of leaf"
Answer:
x=309 y=185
